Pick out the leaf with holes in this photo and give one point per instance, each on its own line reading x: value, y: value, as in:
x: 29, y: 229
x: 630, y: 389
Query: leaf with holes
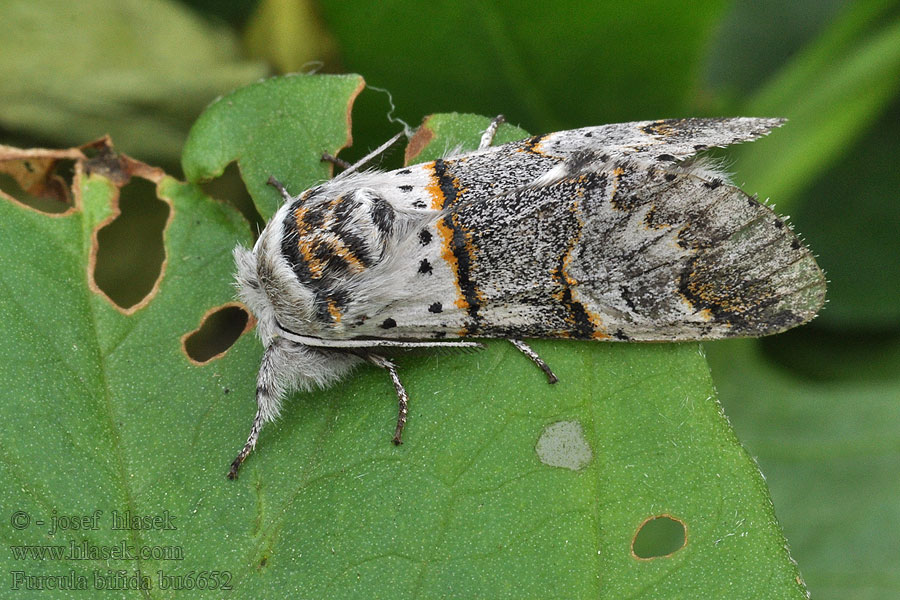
x: 624, y: 479
x: 268, y: 133
x: 102, y: 409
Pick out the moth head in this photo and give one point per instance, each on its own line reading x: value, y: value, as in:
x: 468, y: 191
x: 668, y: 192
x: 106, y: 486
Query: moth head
x: 268, y: 286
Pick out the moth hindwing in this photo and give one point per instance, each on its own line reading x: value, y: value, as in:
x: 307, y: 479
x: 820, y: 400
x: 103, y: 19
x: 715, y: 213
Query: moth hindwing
x: 611, y: 233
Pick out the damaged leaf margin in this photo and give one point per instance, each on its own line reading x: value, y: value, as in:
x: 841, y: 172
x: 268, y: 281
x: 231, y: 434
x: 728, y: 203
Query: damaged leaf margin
x: 269, y: 133
x: 35, y: 171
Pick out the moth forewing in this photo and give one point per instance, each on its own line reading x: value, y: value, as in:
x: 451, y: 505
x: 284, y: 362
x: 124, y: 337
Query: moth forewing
x: 602, y: 233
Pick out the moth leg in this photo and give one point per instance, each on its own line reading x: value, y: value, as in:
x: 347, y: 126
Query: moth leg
x: 248, y: 447
x: 530, y: 353
x: 487, y: 138
x: 280, y: 187
x: 268, y: 394
x: 402, y: 396
x: 339, y: 162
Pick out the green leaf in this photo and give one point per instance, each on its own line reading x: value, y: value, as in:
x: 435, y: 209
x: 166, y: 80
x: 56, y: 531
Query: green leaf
x: 279, y: 127
x: 444, y: 132
x: 140, y: 71
x: 506, y: 486
x: 102, y: 410
x: 830, y: 451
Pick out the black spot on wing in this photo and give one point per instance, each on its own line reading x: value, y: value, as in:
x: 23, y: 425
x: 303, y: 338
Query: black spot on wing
x: 388, y: 323
x: 435, y: 308
x: 425, y: 237
x: 425, y: 267
x: 382, y: 215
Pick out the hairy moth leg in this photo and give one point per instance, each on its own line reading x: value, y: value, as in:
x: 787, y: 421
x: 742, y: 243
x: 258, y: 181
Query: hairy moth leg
x: 402, y: 396
x: 268, y: 394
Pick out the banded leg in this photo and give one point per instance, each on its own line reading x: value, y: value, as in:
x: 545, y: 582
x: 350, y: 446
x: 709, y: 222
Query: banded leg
x: 402, y: 396
x: 338, y: 162
x: 269, y: 390
x: 248, y: 447
x: 536, y: 359
x: 487, y: 138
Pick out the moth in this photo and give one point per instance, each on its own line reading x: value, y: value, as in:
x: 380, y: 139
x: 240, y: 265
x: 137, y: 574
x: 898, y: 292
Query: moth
x: 612, y: 233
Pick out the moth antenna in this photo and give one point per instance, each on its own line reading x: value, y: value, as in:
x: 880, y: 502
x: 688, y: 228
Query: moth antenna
x: 369, y: 157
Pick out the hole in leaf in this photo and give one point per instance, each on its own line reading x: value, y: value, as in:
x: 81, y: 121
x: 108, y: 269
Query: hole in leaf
x: 218, y: 332
x: 230, y: 188
x: 659, y: 536
x: 130, y: 251
x: 48, y: 193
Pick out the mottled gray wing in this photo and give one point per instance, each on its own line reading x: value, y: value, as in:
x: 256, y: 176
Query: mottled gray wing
x: 500, y: 169
x: 631, y: 251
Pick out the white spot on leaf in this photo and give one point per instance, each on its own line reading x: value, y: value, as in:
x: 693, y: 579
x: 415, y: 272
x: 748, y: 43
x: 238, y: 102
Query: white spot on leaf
x: 563, y: 444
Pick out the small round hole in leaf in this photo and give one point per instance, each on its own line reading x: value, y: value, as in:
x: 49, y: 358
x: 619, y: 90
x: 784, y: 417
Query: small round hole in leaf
x: 659, y: 536
x: 217, y: 333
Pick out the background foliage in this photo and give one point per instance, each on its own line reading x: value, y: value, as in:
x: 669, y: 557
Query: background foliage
x: 819, y: 407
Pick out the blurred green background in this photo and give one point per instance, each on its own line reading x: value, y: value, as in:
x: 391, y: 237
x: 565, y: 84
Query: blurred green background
x: 819, y: 406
